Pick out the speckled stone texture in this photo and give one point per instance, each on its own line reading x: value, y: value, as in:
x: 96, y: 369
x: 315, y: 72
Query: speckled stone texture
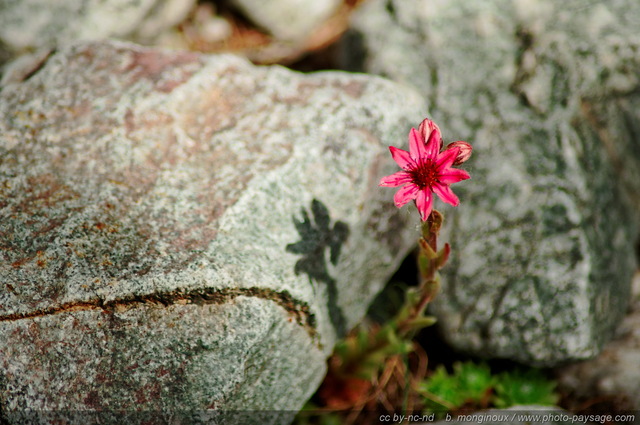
x: 547, y: 93
x: 26, y: 25
x: 614, y: 375
x: 181, y: 232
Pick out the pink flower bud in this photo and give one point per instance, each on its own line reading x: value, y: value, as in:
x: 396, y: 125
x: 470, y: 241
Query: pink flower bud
x: 426, y: 128
x: 464, y: 152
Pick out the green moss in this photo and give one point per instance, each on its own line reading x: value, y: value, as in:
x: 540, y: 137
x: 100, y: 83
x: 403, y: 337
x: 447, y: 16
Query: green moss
x: 472, y: 385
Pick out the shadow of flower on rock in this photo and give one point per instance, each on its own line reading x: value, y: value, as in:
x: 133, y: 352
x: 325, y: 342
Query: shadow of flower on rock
x: 316, y: 236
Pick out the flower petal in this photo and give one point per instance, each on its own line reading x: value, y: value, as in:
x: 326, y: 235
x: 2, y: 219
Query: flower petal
x: 446, y: 158
x: 396, y: 179
x: 405, y: 194
x: 402, y: 158
x: 434, y: 143
x: 424, y: 202
x: 417, y: 146
x: 428, y: 127
x: 446, y: 194
x: 452, y: 175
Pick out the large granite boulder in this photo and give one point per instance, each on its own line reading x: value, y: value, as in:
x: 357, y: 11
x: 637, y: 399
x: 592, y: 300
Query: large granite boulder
x: 547, y: 93
x: 26, y: 25
x: 181, y: 232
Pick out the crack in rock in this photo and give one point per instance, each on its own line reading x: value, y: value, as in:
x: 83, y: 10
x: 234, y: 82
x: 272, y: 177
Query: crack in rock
x: 298, y: 310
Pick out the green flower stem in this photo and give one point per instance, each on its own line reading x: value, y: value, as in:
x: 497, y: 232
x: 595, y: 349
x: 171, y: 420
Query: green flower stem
x: 430, y: 260
x: 363, y: 354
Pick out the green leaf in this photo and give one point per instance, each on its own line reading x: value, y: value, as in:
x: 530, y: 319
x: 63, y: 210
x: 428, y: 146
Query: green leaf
x: 472, y: 383
x: 431, y: 287
x: 469, y: 383
x: 426, y: 251
x: 362, y: 340
x: 524, y: 387
x: 401, y: 347
x: 475, y: 380
x: 424, y: 265
x: 413, y: 295
x: 421, y: 322
x: 443, y: 256
x: 441, y: 390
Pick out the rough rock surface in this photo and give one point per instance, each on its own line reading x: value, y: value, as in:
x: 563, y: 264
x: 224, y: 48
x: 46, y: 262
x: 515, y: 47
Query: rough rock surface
x: 181, y: 231
x: 291, y: 20
x: 613, y: 375
x: 547, y: 93
x: 35, y: 24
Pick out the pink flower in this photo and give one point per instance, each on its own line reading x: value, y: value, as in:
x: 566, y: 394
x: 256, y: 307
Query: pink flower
x: 427, y: 169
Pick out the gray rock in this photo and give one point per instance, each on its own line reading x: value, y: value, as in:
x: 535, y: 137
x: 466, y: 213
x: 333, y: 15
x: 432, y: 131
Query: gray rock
x: 546, y: 92
x: 34, y: 24
x: 181, y: 232
x: 613, y: 375
x: 291, y: 20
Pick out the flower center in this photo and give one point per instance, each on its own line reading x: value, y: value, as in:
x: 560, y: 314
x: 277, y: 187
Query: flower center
x: 425, y: 174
